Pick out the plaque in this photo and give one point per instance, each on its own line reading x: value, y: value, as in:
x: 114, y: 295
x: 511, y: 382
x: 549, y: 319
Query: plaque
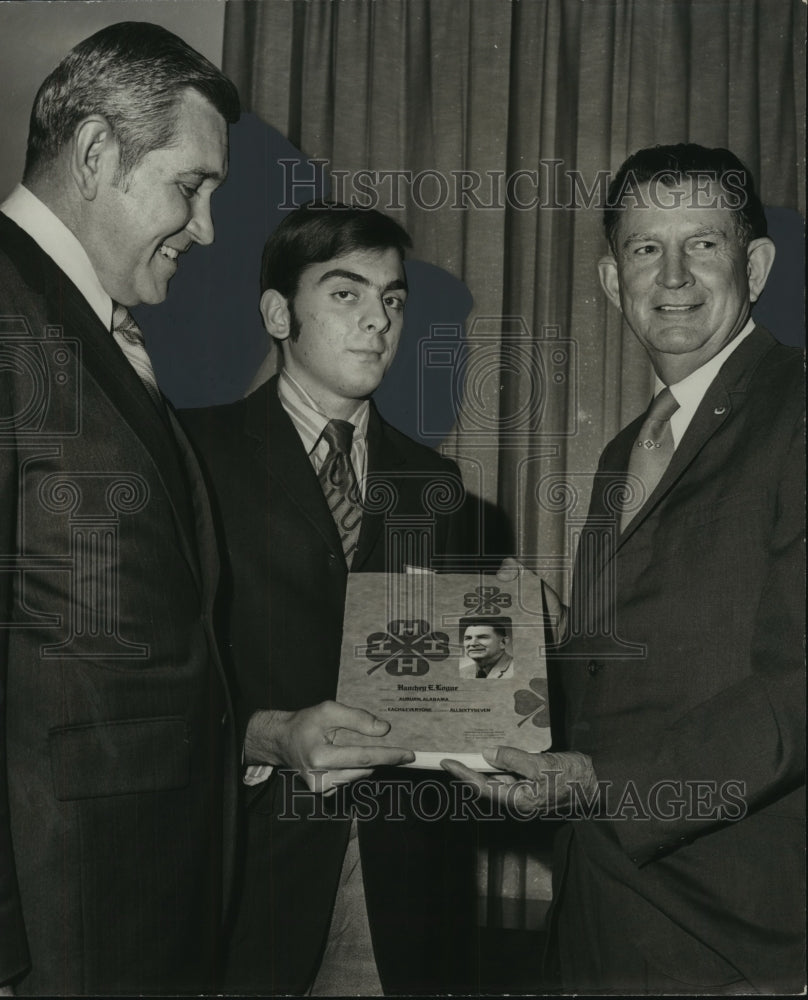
x: 454, y: 662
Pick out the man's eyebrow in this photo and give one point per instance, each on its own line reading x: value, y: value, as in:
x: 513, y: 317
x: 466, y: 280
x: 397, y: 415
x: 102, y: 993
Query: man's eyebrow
x: 202, y: 174
x: 708, y: 231
x: 340, y: 272
x: 640, y: 237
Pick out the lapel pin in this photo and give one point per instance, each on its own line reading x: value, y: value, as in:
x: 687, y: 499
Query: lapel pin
x: 719, y: 410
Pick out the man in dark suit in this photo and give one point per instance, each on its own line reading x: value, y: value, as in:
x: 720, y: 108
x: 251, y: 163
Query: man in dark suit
x: 112, y: 698
x: 333, y: 292
x: 682, y: 668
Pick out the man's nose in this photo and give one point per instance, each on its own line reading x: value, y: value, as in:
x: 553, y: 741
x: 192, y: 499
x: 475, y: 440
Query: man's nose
x: 375, y: 318
x: 674, y: 270
x: 200, y: 226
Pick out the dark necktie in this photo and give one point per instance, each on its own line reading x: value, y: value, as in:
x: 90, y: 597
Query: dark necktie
x: 653, y: 449
x: 129, y: 338
x: 339, y: 485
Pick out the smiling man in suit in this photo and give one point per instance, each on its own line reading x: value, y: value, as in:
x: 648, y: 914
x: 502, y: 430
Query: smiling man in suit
x: 683, y: 669
x: 311, y: 482
x: 112, y: 697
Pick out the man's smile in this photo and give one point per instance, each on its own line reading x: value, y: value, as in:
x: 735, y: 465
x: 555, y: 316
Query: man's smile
x: 170, y: 253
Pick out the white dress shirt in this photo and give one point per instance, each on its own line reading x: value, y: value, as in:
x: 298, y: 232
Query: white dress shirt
x: 310, y: 422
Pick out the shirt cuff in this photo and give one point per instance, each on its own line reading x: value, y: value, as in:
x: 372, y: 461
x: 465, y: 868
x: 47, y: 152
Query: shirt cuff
x: 255, y: 774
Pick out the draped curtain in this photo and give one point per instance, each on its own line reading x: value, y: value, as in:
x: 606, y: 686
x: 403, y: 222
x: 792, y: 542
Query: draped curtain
x: 446, y: 91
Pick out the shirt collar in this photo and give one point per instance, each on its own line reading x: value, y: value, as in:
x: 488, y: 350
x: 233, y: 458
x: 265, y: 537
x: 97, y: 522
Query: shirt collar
x: 690, y: 391
x: 308, y: 418
x: 49, y: 232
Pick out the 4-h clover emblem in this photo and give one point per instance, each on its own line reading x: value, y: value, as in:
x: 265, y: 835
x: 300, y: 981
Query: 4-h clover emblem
x: 486, y: 601
x: 406, y: 648
x: 532, y: 703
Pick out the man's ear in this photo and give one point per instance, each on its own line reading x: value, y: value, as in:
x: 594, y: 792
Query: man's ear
x: 759, y: 259
x: 607, y: 270
x: 275, y: 314
x: 93, y: 153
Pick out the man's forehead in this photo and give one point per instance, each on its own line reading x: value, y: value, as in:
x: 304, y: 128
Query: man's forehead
x: 200, y: 144
x: 381, y: 268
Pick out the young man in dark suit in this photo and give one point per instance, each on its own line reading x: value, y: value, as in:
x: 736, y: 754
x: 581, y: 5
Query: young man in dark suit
x: 683, y: 666
x: 113, y: 707
x: 333, y: 293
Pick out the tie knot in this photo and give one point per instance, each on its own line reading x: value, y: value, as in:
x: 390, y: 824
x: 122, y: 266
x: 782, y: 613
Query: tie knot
x: 123, y: 323
x: 339, y: 435
x: 664, y: 406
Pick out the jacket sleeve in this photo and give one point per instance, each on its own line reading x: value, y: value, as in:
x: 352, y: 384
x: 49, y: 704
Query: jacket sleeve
x: 13, y: 946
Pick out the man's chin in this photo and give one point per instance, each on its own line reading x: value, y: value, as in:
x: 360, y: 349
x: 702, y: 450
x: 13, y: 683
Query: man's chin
x: 365, y: 389
x: 154, y: 296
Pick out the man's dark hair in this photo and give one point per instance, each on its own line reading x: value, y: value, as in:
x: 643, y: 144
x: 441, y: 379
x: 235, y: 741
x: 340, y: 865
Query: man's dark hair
x: 502, y: 626
x: 669, y: 165
x: 319, y: 231
x: 134, y: 75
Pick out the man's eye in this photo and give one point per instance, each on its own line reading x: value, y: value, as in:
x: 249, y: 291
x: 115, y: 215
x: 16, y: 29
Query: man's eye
x: 704, y: 244
x: 646, y: 250
x: 187, y: 191
x: 394, y: 302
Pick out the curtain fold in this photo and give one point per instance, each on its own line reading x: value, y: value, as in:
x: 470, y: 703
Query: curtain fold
x: 499, y: 122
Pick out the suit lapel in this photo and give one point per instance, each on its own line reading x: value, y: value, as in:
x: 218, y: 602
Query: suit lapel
x: 288, y: 465
x: 714, y: 410
x: 205, y: 553
x: 105, y: 363
x: 383, y: 459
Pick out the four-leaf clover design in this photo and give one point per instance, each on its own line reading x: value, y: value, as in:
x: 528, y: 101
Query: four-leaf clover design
x: 406, y: 648
x: 486, y: 601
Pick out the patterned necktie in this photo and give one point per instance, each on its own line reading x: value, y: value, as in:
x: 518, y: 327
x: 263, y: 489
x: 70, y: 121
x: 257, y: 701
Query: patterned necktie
x: 653, y: 449
x: 338, y: 481
x: 129, y: 338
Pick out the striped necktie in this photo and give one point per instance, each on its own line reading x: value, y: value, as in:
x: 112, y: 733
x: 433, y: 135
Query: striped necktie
x: 130, y: 340
x: 653, y: 448
x: 338, y: 481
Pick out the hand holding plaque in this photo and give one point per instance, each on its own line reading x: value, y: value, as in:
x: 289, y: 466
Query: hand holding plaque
x: 304, y: 741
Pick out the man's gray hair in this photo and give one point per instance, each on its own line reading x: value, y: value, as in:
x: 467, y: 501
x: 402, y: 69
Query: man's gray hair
x: 133, y: 74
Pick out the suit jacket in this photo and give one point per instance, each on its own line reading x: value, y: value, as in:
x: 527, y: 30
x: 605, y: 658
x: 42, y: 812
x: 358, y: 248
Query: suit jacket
x: 504, y: 668
x: 685, y: 665
x: 285, y: 626
x: 112, y: 690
